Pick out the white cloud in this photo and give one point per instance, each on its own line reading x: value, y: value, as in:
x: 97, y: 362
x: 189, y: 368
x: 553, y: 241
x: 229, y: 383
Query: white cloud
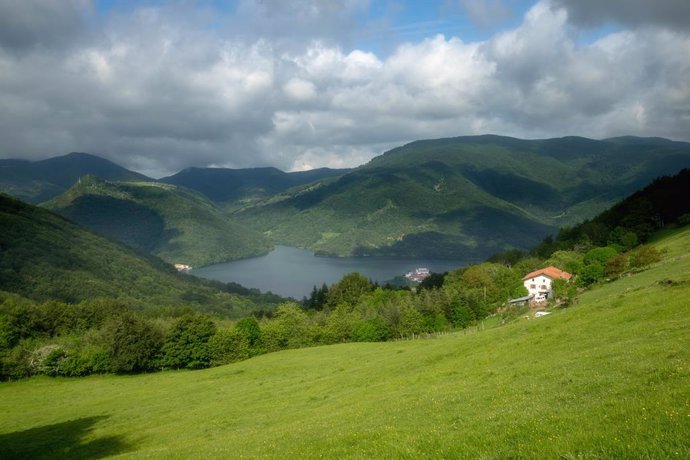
x: 156, y: 93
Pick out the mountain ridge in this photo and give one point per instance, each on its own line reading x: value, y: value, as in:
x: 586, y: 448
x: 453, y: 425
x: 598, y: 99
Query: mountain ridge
x: 226, y: 186
x: 38, y: 181
x: 177, y: 224
x: 468, y: 196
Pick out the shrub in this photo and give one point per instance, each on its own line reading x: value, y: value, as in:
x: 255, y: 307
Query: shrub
x: 616, y: 265
x: 186, y: 344
x: 374, y: 330
x: 591, y: 273
x: 227, y: 346
x: 133, y: 344
x: 644, y: 256
x: 249, y: 328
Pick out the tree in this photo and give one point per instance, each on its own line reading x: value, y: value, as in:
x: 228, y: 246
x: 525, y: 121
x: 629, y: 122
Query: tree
x: 599, y: 255
x: 433, y: 281
x: 411, y: 321
x: 591, y: 273
x: 339, y: 325
x: 292, y: 327
x: 348, y: 291
x: 496, y: 282
x: 570, y: 261
x: 186, y: 344
x: 373, y: 330
x: 249, y: 328
x: 623, y: 238
x: 133, y: 344
x: 563, y: 291
x: 227, y: 346
x: 616, y: 265
x: 317, y: 298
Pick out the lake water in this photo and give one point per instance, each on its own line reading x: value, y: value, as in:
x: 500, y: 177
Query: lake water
x: 293, y: 272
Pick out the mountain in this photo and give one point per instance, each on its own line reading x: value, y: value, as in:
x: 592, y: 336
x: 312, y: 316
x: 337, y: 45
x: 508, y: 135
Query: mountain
x: 464, y: 197
x: 242, y: 186
x: 39, y: 181
x: 46, y: 257
x: 174, y: 223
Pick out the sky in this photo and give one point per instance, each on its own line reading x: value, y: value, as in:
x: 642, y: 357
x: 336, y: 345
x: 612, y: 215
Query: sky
x: 158, y: 86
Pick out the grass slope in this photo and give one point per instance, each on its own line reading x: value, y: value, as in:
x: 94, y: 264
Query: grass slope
x: 39, y: 181
x: 45, y: 257
x: 608, y: 378
x: 174, y: 223
x: 465, y: 197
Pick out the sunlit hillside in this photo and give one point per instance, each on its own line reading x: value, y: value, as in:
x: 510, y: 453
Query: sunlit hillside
x: 606, y: 378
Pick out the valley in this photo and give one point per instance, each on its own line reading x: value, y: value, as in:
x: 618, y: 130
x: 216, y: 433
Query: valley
x: 345, y: 229
x: 606, y: 378
x: 452, y: 367
x: 174, y: 223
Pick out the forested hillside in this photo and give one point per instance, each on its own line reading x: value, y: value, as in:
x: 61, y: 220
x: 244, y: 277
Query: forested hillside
x: 664, y: 202
x: 45, y: 257
x: 42, y: 180
x: 174, y: 223
x: 465, y: 197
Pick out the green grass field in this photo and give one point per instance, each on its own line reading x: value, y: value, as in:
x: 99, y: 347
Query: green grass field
x: 607, y: 378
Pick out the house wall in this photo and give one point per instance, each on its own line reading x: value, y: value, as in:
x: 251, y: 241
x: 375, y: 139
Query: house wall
x: 538, y: 285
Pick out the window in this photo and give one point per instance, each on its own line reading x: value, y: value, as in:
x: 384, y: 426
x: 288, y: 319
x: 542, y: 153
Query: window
x: 532, y: 286
x: 543, y: 286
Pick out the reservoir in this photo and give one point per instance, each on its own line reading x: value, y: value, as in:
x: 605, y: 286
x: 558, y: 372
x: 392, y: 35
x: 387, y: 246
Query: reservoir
x: 293, y: 272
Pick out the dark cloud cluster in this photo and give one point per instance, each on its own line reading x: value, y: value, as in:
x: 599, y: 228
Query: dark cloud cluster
x: 674, y: 14
x: 162, y: 88
x: 39, y: 23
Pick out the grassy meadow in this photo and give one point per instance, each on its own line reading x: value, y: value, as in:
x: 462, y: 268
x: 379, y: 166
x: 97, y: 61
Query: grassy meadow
x: 606, y: 378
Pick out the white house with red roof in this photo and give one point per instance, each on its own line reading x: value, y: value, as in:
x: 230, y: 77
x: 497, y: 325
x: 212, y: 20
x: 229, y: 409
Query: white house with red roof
x: 538, y: 283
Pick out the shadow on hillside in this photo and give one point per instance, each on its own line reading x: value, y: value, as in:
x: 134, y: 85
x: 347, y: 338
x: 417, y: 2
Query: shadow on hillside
x: 61, y: 441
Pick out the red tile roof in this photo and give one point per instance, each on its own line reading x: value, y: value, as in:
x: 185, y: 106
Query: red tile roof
x: 552, y: 272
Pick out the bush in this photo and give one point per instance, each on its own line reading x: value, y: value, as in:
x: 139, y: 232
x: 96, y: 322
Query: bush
x: 374, y: 330
x: 186, y: 344
x: 599, y: 256
x: 228, y: 346
x: 249, y: 328
x: 133, y: 344
x: 644, y: 256
x: 591, y: 273
x: 616, y: 265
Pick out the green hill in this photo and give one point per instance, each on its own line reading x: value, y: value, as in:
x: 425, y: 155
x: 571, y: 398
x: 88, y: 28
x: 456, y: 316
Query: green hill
x: 236, y: 188
x: 174, y: 223
x: 39, y: 181
x: 607, y: 378
x: 464, y: 197
x: 45, y: 257
x: 664, y: 202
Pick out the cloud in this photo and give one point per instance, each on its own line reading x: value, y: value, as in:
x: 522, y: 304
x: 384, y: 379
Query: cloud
x: 49, y: 23
x: 157, y: 90
x: 662, y: 13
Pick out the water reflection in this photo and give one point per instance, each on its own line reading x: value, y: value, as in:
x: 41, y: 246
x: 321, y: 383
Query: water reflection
x: 294, y: 272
